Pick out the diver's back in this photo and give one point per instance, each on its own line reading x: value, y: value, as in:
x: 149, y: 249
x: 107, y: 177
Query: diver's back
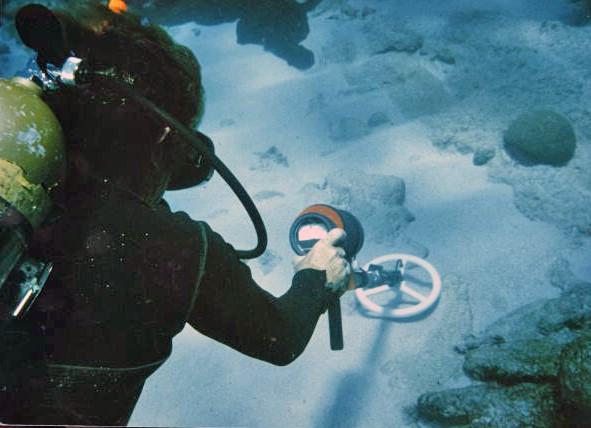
x: 123, y: 282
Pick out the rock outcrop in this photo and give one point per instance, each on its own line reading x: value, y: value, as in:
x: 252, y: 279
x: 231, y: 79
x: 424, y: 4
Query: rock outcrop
x: 535, y: 364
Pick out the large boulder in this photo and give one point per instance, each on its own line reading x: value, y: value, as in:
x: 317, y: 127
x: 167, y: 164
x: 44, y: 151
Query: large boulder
x: 377, y: 200
x: 492, y: 406
x: 527, y: 356
x: 567, y: 315
x: 570, y: 311
x: 413, y: 90
x: 520, y: 361
x: 541, y: 137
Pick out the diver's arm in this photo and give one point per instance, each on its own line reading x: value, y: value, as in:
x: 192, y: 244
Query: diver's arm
x: 231, y: 308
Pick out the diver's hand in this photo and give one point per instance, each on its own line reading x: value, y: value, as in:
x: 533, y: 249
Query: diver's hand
x: 326, y: 255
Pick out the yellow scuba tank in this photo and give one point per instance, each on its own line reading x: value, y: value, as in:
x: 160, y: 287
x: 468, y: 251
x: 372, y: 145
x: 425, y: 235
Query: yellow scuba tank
x: 32, y: 162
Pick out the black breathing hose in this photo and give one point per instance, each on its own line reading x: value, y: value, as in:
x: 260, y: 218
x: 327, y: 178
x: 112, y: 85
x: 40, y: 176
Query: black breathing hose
x: 218, y: 165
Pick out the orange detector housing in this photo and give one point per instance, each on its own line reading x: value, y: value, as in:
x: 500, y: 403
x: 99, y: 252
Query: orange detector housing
x: 314, y: 222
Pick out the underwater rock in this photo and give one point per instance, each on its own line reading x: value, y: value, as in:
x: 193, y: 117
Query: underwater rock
x: 269, y: 158
x: 340, y: 49
x: 452, y: 142
x: 527, y: 356
x: 349, y: 11
x: 561, y: 276
x: 342, y: 10
x: 570, y: 311
x: 540, y: 137
x: 503, y: 330
x: 383, y: 39
x: 346, y: 11
x: 482, y: 156
x: 347, y: 129
x: 377, y: 119
x: 490, y: 406
x: 377, y: 200
x: 418, y: 93
x: 472, y: 341
x: 445, y: 56
x: 520, y: 361
x: 559, y: 196
x: 575, y: 374
x: 413, y: 90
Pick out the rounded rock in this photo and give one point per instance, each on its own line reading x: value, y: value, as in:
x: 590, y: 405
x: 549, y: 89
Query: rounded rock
x: 482, y: 156
x: 540, y: 137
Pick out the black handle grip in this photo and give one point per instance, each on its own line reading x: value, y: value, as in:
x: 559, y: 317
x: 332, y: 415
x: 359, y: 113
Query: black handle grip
x: 335, y: 324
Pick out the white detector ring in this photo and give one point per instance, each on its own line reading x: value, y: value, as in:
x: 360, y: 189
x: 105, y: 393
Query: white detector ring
x: 424, y: 301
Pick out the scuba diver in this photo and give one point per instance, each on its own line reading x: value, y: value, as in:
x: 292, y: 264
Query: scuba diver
x: 128, y: 273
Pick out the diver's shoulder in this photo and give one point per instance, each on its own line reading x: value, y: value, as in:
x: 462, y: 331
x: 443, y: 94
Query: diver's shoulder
x: 179, y: 217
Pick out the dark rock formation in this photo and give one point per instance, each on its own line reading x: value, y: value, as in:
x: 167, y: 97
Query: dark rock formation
x: 492, y: 406
x: 537, y: 361
x: 520, y: 361
x: 541, y: 137
x: 482, y: 156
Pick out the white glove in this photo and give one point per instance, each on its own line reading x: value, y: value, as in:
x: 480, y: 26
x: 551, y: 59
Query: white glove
x: 327, y: 256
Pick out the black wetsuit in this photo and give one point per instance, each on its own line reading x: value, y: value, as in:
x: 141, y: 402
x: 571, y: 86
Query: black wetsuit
x: 127, y: 278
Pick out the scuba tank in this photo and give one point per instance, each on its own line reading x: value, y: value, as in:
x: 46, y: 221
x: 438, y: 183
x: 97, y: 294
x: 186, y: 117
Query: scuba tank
x: 32, y: 163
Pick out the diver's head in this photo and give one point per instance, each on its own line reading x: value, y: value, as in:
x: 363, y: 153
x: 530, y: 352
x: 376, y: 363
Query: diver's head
x: 114, y: 137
